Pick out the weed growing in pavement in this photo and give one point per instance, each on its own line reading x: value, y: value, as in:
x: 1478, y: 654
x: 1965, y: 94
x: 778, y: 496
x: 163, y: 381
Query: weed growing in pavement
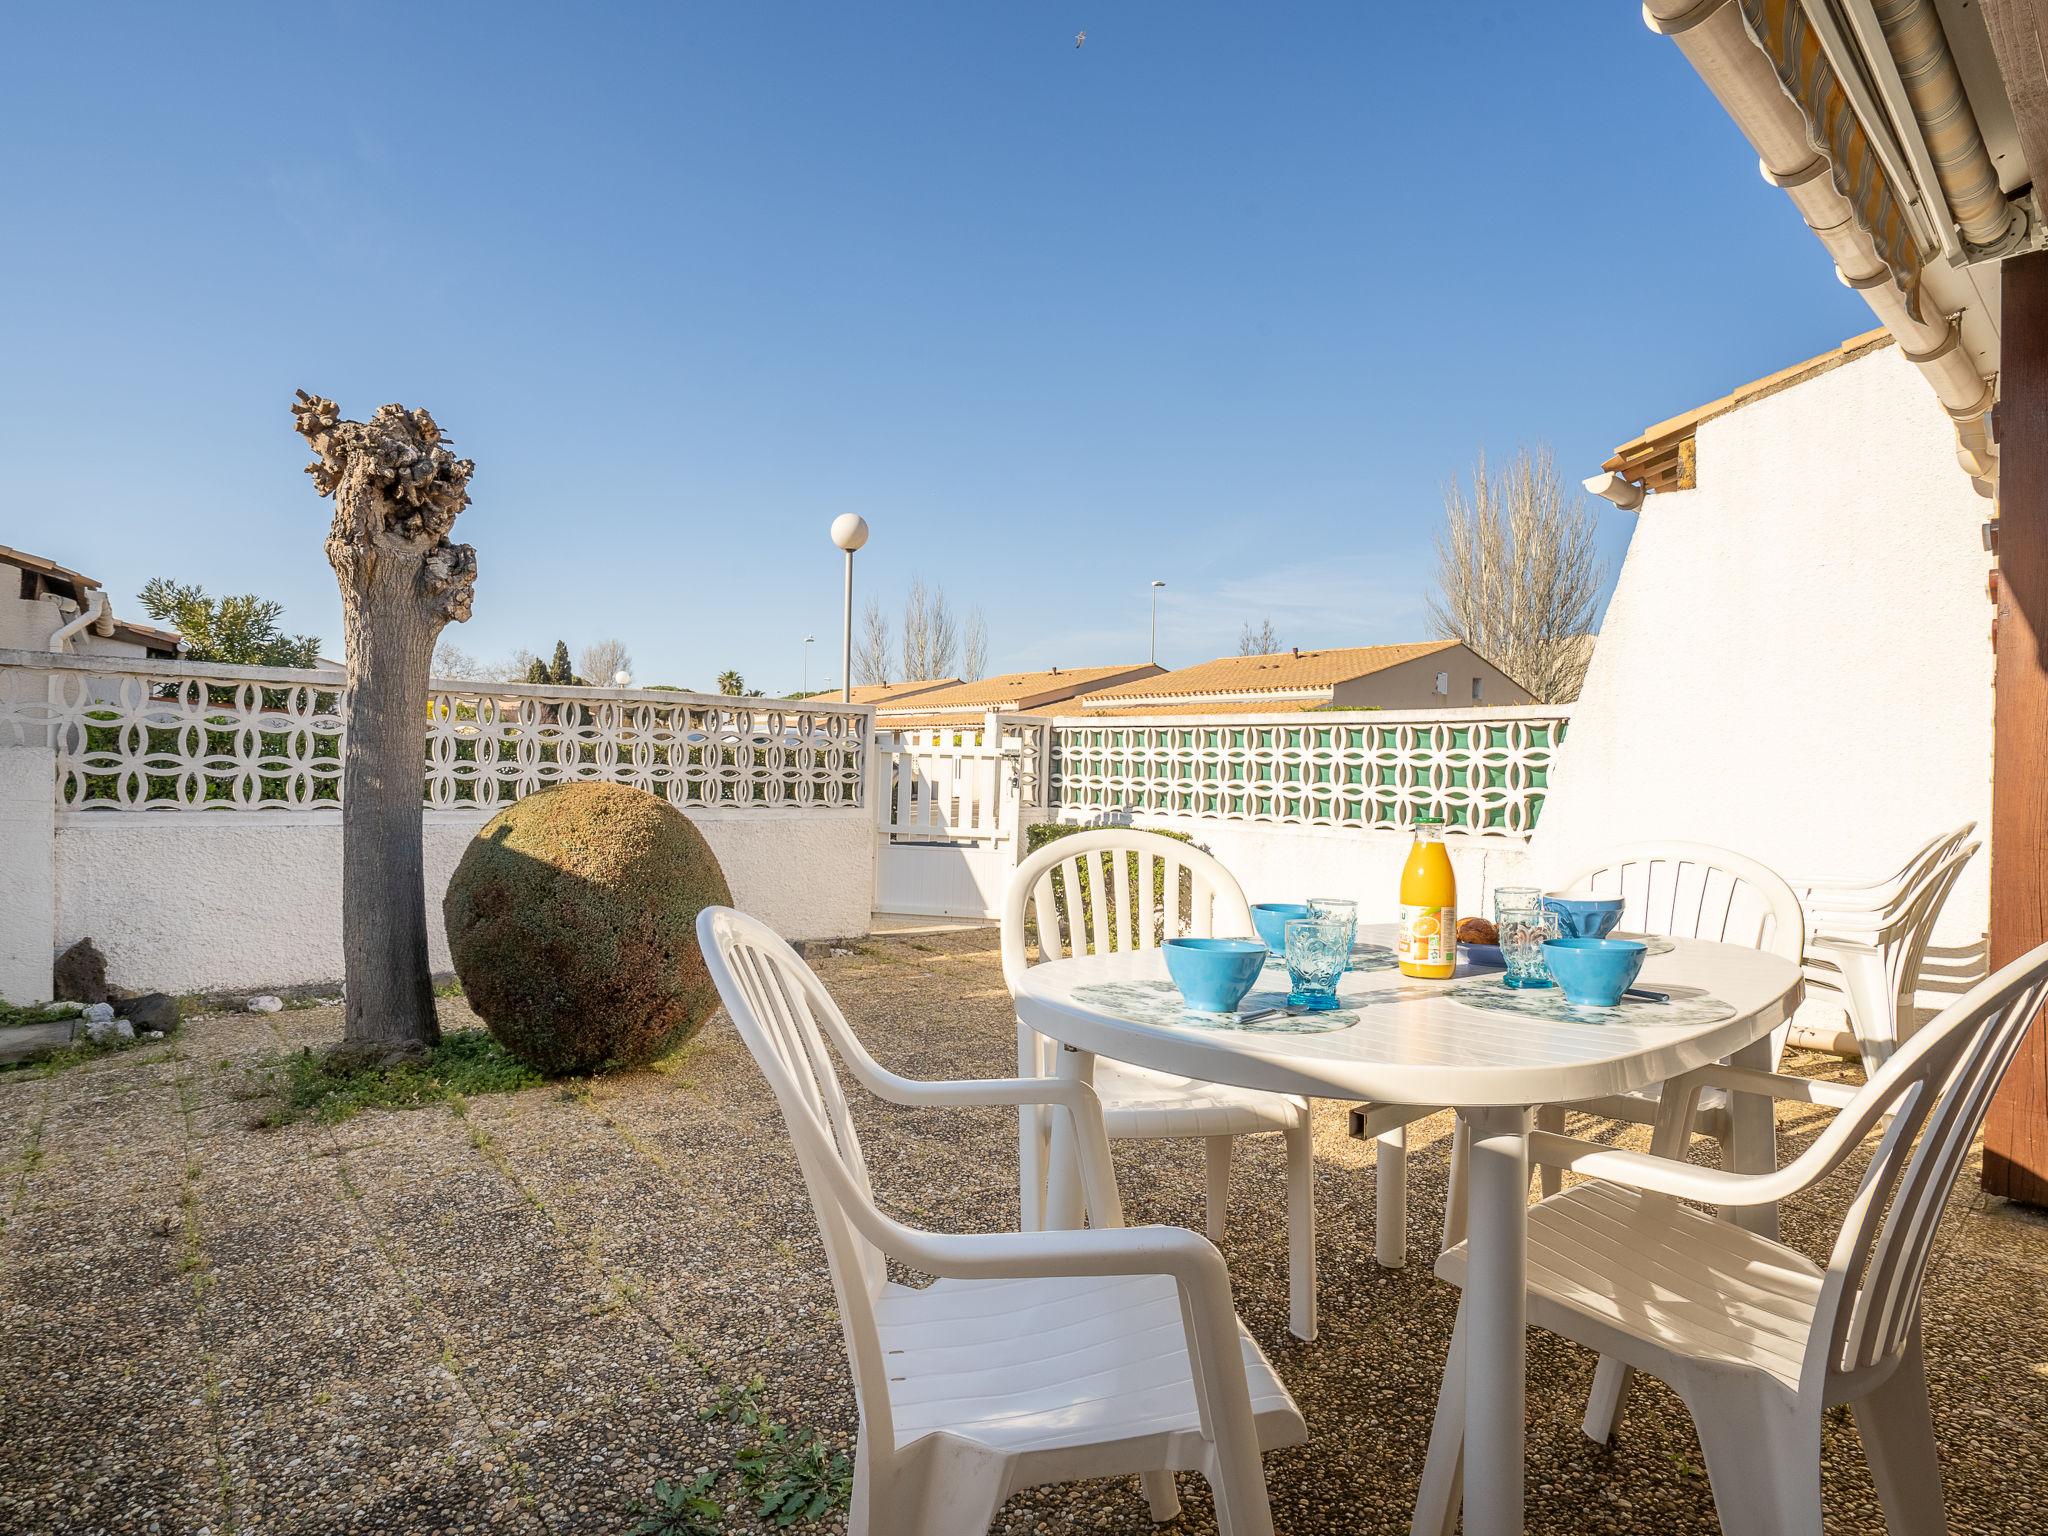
x: 793, y: 1475
x: 679, y: 1509
x: 466, y: 1062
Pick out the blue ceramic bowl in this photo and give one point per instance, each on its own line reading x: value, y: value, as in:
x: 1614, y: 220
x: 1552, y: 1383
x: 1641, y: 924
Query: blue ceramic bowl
x: 1595, y: 971
x: 1271, y: 919
x: 1585, y: 917
x: 1214, y: 974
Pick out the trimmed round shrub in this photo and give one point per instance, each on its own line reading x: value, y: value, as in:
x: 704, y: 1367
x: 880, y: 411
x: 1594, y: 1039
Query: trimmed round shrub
x: 572, y: 919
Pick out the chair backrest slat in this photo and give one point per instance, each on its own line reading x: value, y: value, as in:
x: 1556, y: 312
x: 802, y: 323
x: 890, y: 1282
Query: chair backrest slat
x: 1937, y: 1089
x: 1118, y: 889
x: 1696, y: 891
x: 1906, y: 933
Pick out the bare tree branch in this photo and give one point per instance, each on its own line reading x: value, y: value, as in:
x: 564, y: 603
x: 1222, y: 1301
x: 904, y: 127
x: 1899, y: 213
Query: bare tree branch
x: 600, y: 662
x: 931, y: 635
x: 974, y: 648
x: 1518, y: 576
x: 871, y: 646
x: 1257, y: 642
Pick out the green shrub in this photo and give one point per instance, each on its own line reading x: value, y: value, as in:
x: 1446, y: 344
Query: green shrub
x: 1039, y: 834
x: 572, y: 921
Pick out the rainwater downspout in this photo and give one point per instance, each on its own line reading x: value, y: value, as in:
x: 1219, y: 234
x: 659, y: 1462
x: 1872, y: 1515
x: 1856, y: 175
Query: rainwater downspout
x: 95, y: 605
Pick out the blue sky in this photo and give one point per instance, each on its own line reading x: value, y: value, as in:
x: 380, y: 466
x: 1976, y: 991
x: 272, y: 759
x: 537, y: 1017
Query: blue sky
x: 1220, y: 298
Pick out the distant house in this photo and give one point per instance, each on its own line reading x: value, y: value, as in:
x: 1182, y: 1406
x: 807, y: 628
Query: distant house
x: 1430, y: 674
x: 881, y: 695
x: 1012, y: 693
x: 40, y: 598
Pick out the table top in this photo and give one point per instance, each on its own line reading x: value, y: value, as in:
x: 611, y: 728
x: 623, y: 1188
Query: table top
x: 1466, y: 1041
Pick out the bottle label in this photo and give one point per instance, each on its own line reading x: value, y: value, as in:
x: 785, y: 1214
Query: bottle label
x: 1427, y: 934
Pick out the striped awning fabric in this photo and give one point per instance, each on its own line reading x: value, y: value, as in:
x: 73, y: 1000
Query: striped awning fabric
x: 1780, y: 29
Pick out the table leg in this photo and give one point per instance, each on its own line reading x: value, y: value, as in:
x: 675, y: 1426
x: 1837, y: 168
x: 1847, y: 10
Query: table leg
x: 1495, y: 1313
x: 1753, y: 1137
x: 1063, y: 1203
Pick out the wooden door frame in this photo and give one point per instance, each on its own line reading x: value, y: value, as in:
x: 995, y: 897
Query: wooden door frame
x: 2016, y: 1131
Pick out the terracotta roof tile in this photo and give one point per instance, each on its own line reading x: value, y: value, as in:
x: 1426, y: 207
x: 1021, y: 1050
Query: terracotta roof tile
x: 1266, y: 674
x: 883, y: 693
x: 1023, y: 690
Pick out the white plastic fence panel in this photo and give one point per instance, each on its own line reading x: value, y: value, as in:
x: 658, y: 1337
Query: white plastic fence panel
x: 947, y: 822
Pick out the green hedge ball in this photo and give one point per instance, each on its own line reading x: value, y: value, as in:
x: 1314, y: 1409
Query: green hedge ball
x: 572, y: 919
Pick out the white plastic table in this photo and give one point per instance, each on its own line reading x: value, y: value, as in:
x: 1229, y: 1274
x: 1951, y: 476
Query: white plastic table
x: 1421, y: 1045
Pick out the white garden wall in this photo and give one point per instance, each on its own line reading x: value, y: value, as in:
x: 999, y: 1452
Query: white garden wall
x: 230, y: 900
x: 1795, y: 663
x: 186, y: 816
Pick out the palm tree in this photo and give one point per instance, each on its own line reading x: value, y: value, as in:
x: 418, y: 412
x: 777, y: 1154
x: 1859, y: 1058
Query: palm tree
x: 731, y: 684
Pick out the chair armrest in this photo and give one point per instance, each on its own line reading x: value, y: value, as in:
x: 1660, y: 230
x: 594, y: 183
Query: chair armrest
x: 1874, y: 923
x: 980, y: 1092
x: 1779, y: 1085
x: 1833, y: 949
x: 1663, y: 1175
x: 1155, y: 1250
x: 1845, y: 887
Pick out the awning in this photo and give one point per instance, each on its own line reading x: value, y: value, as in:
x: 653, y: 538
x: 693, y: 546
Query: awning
x: 1781, y: 30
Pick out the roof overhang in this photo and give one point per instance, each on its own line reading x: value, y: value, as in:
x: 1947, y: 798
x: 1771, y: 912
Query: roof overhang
x: 1909, y: 134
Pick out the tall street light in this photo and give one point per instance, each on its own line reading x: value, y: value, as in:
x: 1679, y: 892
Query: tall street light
x: 1155, y: 621
x: 808, y: 639
x: 849, y: 532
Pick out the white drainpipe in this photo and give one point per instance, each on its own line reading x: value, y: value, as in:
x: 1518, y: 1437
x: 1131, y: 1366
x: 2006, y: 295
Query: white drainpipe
x: 1711, y: 35
x: 95, y: 605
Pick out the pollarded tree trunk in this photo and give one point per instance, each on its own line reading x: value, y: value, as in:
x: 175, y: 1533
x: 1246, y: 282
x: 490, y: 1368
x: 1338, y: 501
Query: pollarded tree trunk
x: 397, y: 491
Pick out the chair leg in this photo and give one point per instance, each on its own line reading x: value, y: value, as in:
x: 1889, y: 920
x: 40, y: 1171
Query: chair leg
x: 1301, y: 1231
x: 1031, y: 1168
x: 1443, y: 1470
x: 1161, y: 1497
x: 1390, y: 1199
x: 1454, y: 1200
x: 927, y: 1493
x: 1611, y: 1381
x: 1762, y: 1450
x: 1873, y: 1009
x: 1034, y: 1140
x: 1219, y: 1186
x: 1550, y: 1177
x: 1897, y: 1426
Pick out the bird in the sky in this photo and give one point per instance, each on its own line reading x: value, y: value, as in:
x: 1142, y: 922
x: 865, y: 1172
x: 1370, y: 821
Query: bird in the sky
x: 1080, y: 38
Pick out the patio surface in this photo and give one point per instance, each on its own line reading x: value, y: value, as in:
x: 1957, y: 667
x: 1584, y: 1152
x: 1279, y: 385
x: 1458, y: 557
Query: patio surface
x: 510, y: 1318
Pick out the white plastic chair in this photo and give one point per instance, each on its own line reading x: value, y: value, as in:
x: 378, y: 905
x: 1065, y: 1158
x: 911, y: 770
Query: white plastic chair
x: 1035, y: 1357
x: 1850, y: 894
x: 1681, y: 891
x: 1141, y: 875
x: 1871, y: 955
x: 1758, y: 1340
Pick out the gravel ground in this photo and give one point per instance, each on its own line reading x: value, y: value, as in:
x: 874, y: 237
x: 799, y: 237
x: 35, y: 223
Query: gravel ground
x: 508, y: 1316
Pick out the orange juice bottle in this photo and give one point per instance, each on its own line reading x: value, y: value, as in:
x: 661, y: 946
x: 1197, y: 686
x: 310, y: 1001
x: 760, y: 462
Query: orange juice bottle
x: 1428, y: 943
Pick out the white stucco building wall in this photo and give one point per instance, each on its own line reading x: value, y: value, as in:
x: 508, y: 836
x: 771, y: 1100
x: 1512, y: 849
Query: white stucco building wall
x: 1795, y: 662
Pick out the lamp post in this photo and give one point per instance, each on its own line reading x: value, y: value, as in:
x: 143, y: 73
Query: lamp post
x: 849, y: 532
x: 1155, y: 621
x: 807, y: 663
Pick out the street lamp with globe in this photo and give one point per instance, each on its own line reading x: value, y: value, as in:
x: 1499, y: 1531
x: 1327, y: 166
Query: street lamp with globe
x: 849, y: 532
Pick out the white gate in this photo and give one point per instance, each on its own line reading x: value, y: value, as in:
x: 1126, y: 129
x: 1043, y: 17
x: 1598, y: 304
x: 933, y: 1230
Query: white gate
x: 951, y: 804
